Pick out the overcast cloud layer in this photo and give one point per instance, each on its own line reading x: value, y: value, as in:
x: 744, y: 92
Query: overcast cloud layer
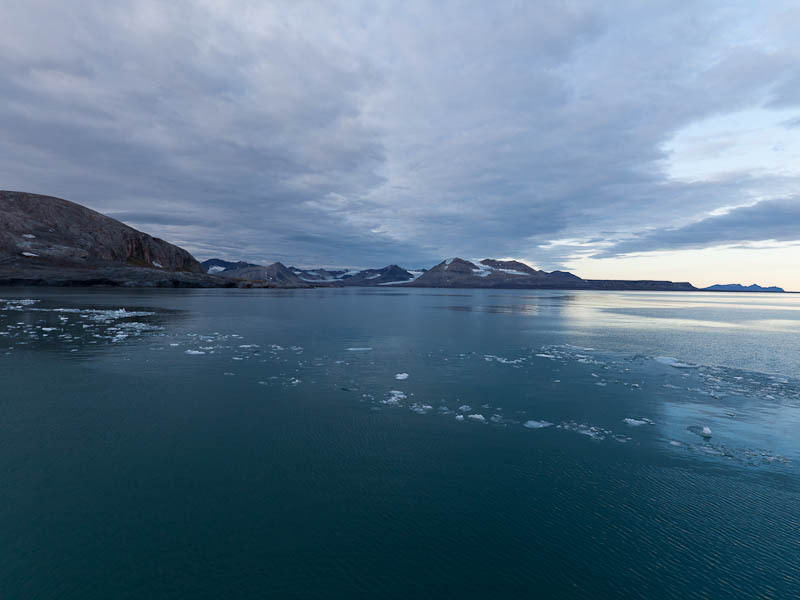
x: 362, y: 134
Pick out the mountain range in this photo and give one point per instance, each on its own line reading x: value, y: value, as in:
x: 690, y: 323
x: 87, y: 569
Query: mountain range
x: 450, y: 273
x: 50, y: 241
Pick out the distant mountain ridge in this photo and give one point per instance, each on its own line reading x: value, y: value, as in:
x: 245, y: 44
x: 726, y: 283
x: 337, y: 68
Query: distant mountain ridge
x: 738, y: 287
x: 276, y: 273
x: 217, y: 265
x: 450, y: 273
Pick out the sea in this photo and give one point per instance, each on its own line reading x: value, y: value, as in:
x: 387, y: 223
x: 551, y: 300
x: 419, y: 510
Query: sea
x: 398, y: 443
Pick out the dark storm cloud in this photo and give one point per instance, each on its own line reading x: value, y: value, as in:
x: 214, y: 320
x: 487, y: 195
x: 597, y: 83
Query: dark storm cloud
x: 770, y: 220
x: 366, y: 133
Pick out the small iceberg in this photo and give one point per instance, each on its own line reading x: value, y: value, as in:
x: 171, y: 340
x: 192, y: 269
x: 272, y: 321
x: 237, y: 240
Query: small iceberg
x: 537, y: 424
x: 674, y: 362
x: 637, y: 422
x: 704, y: 431
x: 401, y: 376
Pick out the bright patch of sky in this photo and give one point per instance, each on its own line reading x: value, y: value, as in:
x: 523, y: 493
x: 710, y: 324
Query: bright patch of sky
x: 756, y: 141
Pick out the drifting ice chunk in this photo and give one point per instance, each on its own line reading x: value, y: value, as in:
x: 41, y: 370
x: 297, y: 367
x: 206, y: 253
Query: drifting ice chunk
x: 674, y: 362
x: 537, y: 424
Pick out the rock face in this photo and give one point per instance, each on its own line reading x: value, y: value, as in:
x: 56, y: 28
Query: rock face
x: 57, y: 231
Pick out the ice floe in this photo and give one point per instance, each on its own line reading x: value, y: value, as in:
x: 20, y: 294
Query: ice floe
x: 531, y: 424
x: 637, y: 422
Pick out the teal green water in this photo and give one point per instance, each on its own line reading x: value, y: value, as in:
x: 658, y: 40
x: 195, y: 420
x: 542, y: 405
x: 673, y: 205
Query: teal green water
x: 371, y: 443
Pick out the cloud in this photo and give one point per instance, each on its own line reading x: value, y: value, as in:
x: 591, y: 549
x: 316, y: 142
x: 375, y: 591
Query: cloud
x: 770, y: 220
x: 360, y: 133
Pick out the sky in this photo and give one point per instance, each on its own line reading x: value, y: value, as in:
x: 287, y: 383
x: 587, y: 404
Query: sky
x: 623, y: 140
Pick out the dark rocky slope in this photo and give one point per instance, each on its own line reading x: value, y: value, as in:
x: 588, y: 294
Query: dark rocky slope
x: 59, y: 231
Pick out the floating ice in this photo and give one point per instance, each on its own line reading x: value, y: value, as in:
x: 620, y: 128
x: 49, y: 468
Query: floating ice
x: 476, y: 417
x: 357, y: 349
x: 465, y: 408
x: 401, y: 376
x: 537, y: 424
x: 194, y: 352
x: 459, y: 417
x: 636, y: 422
x: 704, y: 431
x: 674, y: 362
x: 592, y: 431
x: 395, y: 396
x: 500, y: 359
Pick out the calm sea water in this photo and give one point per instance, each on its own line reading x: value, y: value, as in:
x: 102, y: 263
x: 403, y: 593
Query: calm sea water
x: 387, y: 443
